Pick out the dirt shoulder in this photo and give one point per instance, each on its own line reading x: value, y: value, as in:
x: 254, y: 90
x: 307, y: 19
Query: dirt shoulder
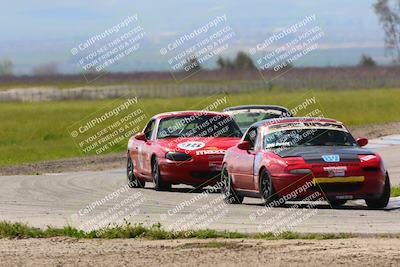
x: 96, y: 163
x: 118, y: 160
x: 192, y: 252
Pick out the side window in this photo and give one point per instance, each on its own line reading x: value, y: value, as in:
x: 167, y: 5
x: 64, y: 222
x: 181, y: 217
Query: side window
x: 149, y: 129
x: 251, y: 136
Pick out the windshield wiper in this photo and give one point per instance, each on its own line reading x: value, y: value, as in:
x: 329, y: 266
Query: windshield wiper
x: 278, y: 146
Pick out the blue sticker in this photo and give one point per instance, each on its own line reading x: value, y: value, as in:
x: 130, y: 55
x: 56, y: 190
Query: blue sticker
x: 331, y: 158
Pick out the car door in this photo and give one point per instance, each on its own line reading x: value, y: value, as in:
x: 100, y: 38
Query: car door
x: 245, y: 163
x: 145, y: 148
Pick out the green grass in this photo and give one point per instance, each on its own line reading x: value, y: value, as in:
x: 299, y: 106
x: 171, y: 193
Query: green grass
x: 155, y: 232
x: 33, y: 132
x: 395, y: 191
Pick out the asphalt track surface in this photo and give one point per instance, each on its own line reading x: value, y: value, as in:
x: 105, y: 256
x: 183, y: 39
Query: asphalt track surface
x: 66, y: 198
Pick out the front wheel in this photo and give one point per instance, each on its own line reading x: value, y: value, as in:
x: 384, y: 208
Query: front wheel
x: 230, y: 195
x: 383, y: 200
x: 159, y: 184
x: 133, y: 181
x: 267, y: 189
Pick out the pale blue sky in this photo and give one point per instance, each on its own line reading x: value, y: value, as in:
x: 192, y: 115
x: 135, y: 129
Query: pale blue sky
x: 35, y: 32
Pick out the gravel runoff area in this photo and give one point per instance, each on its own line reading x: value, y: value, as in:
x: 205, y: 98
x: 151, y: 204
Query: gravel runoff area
x: 118, y: 160
x: 193, y: 252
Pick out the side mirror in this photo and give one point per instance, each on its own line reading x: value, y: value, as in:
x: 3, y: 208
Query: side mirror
x: 362, y: 141
x: 245, y: 145
x: 140, y: 136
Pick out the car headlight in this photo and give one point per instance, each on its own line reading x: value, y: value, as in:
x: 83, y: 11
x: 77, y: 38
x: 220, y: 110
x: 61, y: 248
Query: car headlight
x: 178, y: 156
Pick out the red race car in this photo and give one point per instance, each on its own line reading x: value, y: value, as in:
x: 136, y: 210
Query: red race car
x: 295, y: 158
x: 181, y: 148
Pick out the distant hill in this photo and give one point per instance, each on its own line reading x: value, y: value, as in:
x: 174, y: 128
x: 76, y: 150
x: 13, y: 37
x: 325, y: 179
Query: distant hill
x: 46, y: 32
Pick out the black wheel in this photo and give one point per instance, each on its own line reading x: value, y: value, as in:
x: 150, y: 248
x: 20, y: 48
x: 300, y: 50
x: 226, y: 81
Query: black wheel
x: 133, y: 182
x: 266, y: 188
x: 230, y: 195
x: 383, y: 200
x: 337, y: 202
x: 159, y: 184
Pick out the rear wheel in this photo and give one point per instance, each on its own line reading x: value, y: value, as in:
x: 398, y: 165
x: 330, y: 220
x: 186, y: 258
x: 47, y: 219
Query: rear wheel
x: 230, y: 195
x: 383, y: 200
x: 159, y: 184
x: 133, y: 181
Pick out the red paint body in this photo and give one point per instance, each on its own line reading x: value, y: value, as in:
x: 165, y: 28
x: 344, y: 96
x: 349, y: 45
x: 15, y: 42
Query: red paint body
x: 199, y: 170
x: 245, y: 166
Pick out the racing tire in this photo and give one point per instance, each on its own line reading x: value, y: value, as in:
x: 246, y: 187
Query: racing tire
x: 230, y: 195
x: 159, y: 184
x: 267, y: 190
x: 335, y: 203
x: 133, y: 181
x: 383, y: 200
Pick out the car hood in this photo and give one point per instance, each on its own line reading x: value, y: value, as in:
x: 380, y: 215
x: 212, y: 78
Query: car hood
x: 316, y: 154
x: 197, y: 145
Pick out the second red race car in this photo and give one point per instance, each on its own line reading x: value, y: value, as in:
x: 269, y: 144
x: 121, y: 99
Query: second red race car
x: 181, y: 148
x: 246, y: 115
x: 295, y: 158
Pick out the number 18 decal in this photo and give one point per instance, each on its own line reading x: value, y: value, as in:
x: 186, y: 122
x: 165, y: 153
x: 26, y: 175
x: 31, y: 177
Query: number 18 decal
x: 191, y: 145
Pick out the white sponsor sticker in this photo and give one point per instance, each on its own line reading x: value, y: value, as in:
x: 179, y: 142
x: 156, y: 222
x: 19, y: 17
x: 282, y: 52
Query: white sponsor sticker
x: 210, y: 152
x: 191, y: 145
x: 367, y: 158
x: 336, y: 171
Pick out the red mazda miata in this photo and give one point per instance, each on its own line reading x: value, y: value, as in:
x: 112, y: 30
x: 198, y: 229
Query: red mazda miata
x: 181, y: 148
x: 295, y: 158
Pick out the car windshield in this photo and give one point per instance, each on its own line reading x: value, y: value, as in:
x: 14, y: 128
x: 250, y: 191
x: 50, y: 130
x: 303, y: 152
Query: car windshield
x: 308, y: 137
x: 198, y: 126
x: 246, y: 118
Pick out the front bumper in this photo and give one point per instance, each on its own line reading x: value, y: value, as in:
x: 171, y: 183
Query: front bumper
x: 365, y: 186
x: 193, y: 172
